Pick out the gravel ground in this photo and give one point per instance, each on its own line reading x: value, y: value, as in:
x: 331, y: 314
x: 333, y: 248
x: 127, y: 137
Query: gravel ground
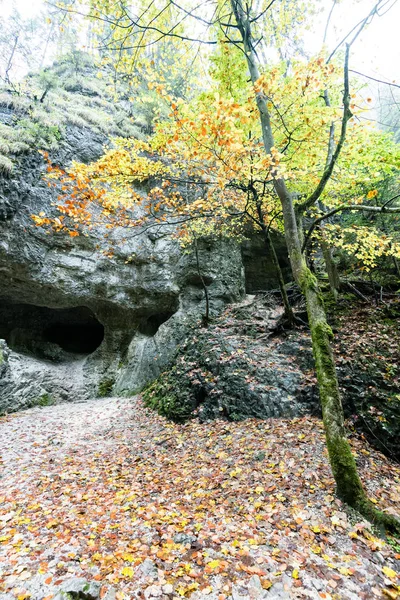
x: 105, y: 499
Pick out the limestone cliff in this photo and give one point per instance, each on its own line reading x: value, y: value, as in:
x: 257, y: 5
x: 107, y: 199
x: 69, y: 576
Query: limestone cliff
x: 76, y: 322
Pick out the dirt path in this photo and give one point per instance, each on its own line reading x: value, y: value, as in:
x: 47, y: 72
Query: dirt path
x: 106, y: 500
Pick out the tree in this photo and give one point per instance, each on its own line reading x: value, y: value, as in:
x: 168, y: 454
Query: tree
x: 28, y: 44
x: 240, y: 157
x: 389, y: 111
x: 349, y: 487
x: 19, y: 45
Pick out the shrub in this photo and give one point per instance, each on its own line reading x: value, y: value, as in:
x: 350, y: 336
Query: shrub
x: 6, y: 166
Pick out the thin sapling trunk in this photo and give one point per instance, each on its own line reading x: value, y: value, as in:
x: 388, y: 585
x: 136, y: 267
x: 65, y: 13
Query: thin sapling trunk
x: 206, y: 316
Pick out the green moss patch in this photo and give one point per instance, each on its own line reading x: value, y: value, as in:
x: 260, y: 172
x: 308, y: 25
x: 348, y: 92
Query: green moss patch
x: 105, y: 387
x: 43, y: 400
x: 171, y: 396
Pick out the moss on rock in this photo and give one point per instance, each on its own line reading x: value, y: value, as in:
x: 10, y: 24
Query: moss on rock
x: 42, y: 400
x: 170, y: 397
x: 105, y: 387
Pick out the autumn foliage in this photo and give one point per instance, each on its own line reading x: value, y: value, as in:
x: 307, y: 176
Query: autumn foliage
x: 206, y: 169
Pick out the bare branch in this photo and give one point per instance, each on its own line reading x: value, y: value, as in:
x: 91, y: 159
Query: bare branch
x: 328, y: 21
x: 358, y: 27
x: 389, y: 201
x: 140, y: 26
x: 349, y: 207
x: 254, y: 19
x: 347, y: 114
x: 375, y: 79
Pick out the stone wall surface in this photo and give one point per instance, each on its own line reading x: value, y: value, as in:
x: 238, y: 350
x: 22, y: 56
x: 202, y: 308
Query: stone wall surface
x: 142, y: 296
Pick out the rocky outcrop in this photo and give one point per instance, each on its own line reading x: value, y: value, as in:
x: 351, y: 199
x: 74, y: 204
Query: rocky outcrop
x: 76, y: 322
x: 258, y: 264
x: 238, y: 367
x: 367, y: 352
x: 158, y: 335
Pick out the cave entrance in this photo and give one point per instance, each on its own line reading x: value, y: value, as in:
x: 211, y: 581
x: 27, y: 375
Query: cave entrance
x: 151, y: 325
x: 259, y: 270
x: 78, y: 339
x: 50, y: 333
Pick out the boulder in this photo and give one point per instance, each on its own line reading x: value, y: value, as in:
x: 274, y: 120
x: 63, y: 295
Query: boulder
x: 238, y: 368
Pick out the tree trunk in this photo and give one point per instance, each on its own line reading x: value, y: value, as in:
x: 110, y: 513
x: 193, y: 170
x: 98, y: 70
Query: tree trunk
x: 282, y: 288
x: 348, y: 484
x: 349, y: 487
x: 333, y: 275
x: 396, y: 264
x: 331, y: 269
x: 270, y: 246
x: 206, y: 316
x: 10, y: 59
x: 43, y: 96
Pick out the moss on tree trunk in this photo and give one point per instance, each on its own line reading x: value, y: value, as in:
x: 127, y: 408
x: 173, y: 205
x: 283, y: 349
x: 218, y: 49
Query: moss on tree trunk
x: 348, y: 484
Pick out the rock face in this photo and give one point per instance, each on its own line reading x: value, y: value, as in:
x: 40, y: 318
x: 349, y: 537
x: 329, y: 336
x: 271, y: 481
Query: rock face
x: 259, y: 268
x: 158, y: 335
x: 76, y: 323
x: 367, y: 351
x: 239, y: 368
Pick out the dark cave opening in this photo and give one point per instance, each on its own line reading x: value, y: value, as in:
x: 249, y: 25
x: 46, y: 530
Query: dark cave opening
x: 50, y: 333
x: 77, y: 339
x: 259, y: 270
x: 151, y: 325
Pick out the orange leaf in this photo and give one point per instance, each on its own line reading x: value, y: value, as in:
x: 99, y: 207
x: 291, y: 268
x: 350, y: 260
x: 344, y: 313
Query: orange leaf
x: 252, y: 570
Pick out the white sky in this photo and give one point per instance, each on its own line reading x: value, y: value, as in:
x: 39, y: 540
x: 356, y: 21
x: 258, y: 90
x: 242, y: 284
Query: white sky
x: 376, y: 52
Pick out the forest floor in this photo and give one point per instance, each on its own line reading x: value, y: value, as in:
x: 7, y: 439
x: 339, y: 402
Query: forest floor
x: 105, y: 499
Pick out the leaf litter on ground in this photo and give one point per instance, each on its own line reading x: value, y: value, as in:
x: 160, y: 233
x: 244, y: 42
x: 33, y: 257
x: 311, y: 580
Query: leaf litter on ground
x: 111, y: 492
